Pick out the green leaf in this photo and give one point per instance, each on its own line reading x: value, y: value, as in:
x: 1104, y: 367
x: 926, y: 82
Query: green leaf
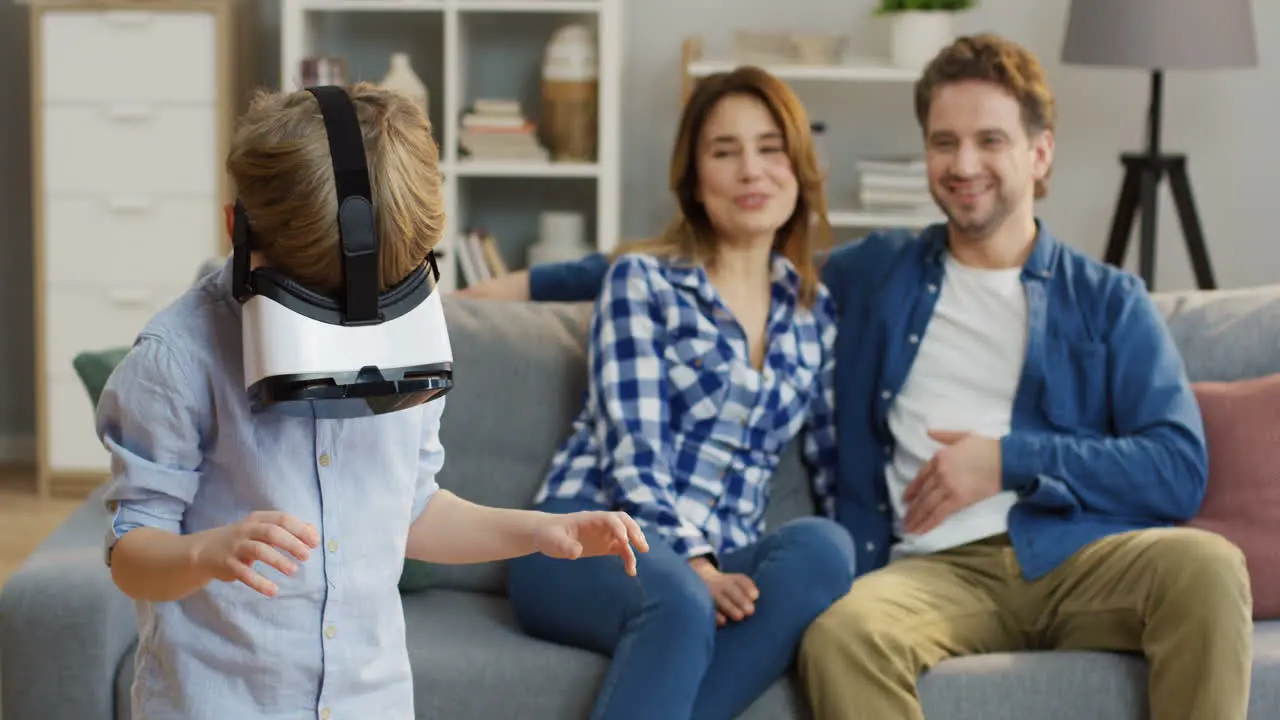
x: 892, y: 6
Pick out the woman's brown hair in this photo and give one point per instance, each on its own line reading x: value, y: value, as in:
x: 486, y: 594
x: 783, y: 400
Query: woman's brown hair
x: 690, y: 235
x: 283, y: 173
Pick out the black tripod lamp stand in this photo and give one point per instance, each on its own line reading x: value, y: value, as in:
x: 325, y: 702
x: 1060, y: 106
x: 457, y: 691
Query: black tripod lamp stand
x: 1159, y: 35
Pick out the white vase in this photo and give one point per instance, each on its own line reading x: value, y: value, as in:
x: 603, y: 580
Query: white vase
x: 917, y: 36
x: 561, y: 238
x: 401, y: 78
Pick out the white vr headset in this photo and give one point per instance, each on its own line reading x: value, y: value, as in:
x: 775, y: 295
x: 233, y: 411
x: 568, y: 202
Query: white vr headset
x: 359, y: 353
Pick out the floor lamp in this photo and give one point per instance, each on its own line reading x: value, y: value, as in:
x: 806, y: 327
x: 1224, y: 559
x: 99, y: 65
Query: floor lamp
x: 1159, y: 35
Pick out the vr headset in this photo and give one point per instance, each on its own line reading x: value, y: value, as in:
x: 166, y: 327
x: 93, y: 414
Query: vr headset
x: 357, y: 354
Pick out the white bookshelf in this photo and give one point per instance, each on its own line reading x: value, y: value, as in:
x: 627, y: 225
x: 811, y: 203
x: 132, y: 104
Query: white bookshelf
x: 469, y: 49
x: 872, y: 219
x: 873, y: 70
x: 854, y: 70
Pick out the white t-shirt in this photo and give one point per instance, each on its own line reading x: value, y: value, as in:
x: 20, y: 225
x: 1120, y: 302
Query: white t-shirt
x: 964, y: 378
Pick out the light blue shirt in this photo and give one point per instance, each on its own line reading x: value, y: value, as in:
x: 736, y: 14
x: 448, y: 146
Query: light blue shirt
x: 188, y: 455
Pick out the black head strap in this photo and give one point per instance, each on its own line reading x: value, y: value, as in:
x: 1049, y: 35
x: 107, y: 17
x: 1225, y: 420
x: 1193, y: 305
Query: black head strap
x: 355, y: 205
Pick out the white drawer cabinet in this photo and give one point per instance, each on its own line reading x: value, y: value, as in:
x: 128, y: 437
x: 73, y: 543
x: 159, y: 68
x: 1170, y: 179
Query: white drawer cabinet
x: 93, y: 55
x: 133, y: 102
x: 110, y: 147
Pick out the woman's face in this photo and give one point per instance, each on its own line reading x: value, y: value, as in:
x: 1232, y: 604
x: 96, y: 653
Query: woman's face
x: 745, y: 177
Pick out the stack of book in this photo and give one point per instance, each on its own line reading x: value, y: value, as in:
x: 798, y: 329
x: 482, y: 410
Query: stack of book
x: 478, y: 257
x: 894, y: 183
x: 498, y: 130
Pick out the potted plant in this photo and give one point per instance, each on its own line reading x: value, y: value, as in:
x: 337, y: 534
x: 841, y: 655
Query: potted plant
x: 920, y: 28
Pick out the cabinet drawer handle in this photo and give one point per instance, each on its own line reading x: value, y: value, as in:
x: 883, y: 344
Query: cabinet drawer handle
x: 129, y: 296
x: 129, y: 205
x: 130, y: 113
x: 127, y: 18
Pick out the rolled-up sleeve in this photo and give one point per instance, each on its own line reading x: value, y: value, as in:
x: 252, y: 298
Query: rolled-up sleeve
x: 150, y: 419
x: 430, y: 457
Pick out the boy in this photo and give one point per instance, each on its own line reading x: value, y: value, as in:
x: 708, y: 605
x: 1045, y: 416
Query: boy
x: 303, y: 523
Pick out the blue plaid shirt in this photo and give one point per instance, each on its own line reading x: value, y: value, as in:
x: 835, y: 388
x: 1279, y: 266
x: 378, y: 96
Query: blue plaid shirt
x: 679, y: 429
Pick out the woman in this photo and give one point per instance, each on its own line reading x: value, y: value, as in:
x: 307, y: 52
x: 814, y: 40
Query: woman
x: 710, y: 349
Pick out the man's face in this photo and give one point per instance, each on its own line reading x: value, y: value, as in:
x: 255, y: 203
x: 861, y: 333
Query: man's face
x: 982, y: 164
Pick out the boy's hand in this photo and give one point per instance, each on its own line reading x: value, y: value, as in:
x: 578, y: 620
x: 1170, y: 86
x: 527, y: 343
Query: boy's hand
x: 590, y: 534
x: 229, y: 552
x: 733, y: 593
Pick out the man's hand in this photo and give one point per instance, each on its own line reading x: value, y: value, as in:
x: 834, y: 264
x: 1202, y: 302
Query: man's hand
x: 965, y: 471
x: 228, y: 553
x: 734, y: 594
x: 590, y: 534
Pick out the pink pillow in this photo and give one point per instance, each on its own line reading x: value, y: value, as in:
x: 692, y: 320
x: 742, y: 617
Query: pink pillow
x: 1242, y: 502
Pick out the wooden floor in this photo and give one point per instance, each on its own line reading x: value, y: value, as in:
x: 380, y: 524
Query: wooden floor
x: 25, y: 518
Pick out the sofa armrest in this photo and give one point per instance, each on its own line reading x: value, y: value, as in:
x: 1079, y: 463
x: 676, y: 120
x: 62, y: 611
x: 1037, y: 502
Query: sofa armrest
x: 64, y: 627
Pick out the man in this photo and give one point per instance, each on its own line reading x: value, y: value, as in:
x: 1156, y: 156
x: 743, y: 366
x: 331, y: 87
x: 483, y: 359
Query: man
x: 1030, y: 441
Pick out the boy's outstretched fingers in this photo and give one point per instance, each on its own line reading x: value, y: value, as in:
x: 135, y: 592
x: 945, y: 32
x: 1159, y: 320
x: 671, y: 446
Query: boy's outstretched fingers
x: 635, y: 533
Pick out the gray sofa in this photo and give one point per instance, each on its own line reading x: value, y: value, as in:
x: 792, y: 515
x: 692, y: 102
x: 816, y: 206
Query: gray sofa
x: 67, y: 635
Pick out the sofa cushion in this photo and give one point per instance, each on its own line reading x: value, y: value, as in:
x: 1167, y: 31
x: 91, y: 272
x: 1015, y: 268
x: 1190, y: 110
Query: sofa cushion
x: 470, y: 660
x: 94, y: 368
x: 520, y: 377
x: 520, y: 373
x: 1225, y: 334
x: 1070, y: 685
x: 1242, y: 501
x: 463, y: 646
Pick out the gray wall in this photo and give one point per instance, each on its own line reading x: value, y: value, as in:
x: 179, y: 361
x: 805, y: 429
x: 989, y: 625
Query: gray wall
x: 1220, y: 119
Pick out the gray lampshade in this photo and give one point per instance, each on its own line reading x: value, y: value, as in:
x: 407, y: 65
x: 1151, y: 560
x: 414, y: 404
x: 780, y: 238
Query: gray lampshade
x: 1161, y: 34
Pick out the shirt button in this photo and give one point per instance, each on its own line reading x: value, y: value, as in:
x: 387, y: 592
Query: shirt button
x: 324, y: 714
x: 914, y: 339
x: 882, y: 507
x: 333, y: 546
x: 871, y: 547
x: 886, y: 394
x: 888, y: 450
x: 324, y: 460
x: 933, y: 288
x: 330, y: 631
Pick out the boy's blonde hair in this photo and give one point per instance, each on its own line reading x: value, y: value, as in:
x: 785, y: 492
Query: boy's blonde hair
x: 283, y: 173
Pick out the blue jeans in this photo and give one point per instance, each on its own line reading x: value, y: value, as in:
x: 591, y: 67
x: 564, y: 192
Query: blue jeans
x: 670, y: 660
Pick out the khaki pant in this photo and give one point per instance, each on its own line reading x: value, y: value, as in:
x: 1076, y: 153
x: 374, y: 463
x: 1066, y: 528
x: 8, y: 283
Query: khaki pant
x: 1180, y: 596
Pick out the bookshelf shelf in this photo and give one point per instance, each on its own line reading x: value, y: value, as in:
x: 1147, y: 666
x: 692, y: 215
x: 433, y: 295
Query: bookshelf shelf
x: 490, y: 53
x: 881, y: 218
x: 863, y: 70
x: 373, y: 5
x: 524, y: 168
x: 543, y: 6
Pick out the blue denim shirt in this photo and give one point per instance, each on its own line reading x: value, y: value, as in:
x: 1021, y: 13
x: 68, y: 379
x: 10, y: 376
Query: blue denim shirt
x: 188, y: 455
x: 1106, y: 433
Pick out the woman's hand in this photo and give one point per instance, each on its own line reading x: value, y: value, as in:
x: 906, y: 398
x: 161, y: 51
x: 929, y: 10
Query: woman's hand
x: 733, y: 593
